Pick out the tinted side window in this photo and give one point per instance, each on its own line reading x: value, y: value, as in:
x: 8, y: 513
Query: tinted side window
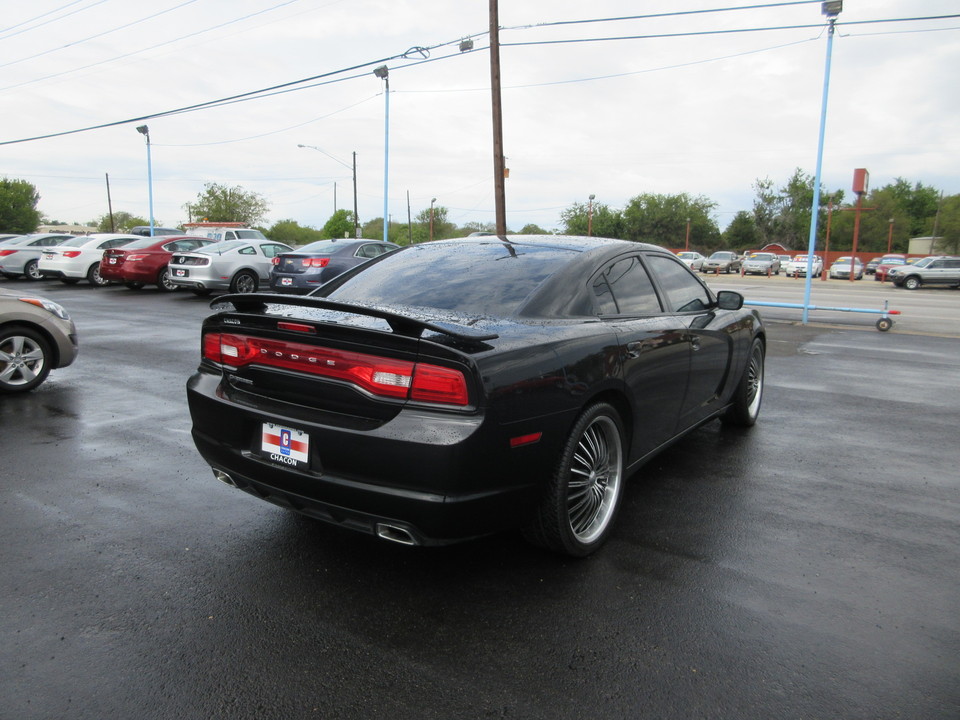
x: 369, y: 251
x: 684, y: 292
x: 624, y: 288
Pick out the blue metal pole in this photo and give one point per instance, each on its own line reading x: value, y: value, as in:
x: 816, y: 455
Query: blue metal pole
x: 386, y: 159
x: 150, y: 183
x: 812, y: 244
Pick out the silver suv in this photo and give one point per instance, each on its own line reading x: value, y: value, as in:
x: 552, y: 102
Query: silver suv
x: 934, y: 270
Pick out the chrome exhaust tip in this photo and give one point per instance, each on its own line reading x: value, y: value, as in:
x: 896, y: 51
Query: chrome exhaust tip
x: 395, y: 534
x: 224, y: 478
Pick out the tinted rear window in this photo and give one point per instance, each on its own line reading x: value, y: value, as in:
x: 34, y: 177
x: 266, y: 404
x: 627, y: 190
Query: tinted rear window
x: 321, y: 247
x: 490, y: 279
x: 138, y: 244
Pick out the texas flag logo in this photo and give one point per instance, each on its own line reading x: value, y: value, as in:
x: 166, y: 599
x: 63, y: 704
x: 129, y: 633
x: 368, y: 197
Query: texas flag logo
x: 283, y: 443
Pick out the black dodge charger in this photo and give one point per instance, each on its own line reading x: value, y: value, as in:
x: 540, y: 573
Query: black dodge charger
x: 456, y: 388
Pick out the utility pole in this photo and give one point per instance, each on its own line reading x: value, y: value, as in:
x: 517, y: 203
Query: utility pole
x: 356, y: 218
x: 109, y: 203
x: 498, y: 160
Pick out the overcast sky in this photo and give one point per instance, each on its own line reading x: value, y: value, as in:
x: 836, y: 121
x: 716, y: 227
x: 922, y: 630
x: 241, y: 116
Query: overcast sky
x: 707, y: 113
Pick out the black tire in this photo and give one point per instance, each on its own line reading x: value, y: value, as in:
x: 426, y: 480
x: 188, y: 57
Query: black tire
x: 244, y: 282
x: 134, y: 285
x: 749, y: 393
x: 31, y: 270
x: 912, y: 282
x: 25, y: 359
x: 164, y: 284
x: 579, y: 504
x: 94, y: 277
x: 884, y: 324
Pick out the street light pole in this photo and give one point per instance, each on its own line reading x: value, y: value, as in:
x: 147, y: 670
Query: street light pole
x: 432, y: 201
x: 890, y: 238
x: 590, y: 215
x: 830, y: 8
x: 686, y: 245
x: 383, y: 72
x: 145, y: 131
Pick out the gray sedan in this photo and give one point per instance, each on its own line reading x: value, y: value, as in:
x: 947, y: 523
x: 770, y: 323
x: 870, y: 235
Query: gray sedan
x: 20, y: 255
x: 239, y: 266
x: 312, y: 265
x: 36, y: 335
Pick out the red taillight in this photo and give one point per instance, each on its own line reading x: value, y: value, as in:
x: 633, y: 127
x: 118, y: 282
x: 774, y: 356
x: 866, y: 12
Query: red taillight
x: 275, y: 261
x: 315, y: 262
x: 380, y: 376
x: 432, y: 383
x: 4, y: 253
x: 134, y: 258
x: 71, y: 253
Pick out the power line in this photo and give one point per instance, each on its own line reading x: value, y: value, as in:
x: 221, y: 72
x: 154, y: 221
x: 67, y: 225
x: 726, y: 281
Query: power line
x: 700, y: 33
x: 662, y: 15
x: 99, y: 34
x: 297, y: 85
x: 152, y: 47
x: 47, y: 22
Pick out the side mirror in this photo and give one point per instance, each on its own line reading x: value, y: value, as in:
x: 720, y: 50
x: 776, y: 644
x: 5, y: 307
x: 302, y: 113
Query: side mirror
x: 729, y: 300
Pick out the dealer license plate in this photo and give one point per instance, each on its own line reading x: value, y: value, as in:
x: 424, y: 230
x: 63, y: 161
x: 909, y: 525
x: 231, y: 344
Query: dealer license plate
x: 179, y: 272
x: 285, y: 446
x: 286, y: 281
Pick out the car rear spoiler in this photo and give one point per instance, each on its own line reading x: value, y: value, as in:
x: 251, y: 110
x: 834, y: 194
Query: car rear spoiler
x: 400, y: 324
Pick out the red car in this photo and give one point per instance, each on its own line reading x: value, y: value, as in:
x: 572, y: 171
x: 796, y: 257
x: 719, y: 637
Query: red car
x: 886, y: 264
x: 144, y: 262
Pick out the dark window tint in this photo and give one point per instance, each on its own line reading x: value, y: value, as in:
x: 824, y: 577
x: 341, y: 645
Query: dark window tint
x: 624, y: 288
x: 489, y: 278
x: 684, y: 292
x: 372, y: 251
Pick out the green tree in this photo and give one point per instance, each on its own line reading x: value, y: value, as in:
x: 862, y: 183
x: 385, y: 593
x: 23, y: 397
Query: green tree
x: 918, y: 203
x: 605, y: 223
x: 339, y: 225
x: 292, y: 233
x: 122, y: 222
x: 741, y: 233
x: 948, y: 226
x: 477, y: 226
x: 219, y: 203
x: 442, y: 227
x: 18, y: 206
x: 662, y: 220
x: 533, y: 229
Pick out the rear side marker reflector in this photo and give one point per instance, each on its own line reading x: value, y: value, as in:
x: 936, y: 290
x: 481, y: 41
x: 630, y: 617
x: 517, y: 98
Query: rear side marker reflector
x: 522, y: 440
x: 384, y: 377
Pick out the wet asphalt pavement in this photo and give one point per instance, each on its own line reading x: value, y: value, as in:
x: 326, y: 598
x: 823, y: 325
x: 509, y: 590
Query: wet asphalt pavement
x: 808, y: 568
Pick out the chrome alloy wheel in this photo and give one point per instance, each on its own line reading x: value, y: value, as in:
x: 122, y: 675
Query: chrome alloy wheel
x: 22, y: 359
x: 754, y: 380
x: 596, y: 472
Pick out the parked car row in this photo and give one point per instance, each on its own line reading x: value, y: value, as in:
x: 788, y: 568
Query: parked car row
x: 200, y: 264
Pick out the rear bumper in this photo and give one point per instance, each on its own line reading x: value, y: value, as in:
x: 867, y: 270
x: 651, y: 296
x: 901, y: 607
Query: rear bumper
x: 442, y: 478
x: 62, y: 271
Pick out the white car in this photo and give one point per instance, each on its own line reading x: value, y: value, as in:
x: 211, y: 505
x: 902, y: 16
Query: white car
x: 79, y: 257
x: 239, y: 266
x: 798, y: 266
x: 692, y: 260
x: 841, y: 268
